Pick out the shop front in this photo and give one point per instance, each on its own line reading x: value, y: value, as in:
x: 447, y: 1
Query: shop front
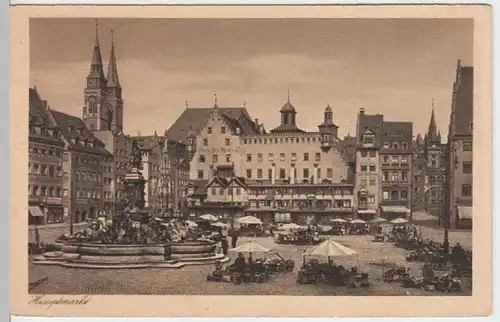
x: 54, y: 214
x: 366, y: 214
x: 464, y: 217
x: 394, y: 212
x: 35, y: 215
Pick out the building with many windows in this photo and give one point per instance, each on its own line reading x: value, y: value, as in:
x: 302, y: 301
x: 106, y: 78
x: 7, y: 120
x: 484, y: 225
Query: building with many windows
x: 459, y: 148
x: 383, y: 167
x: 84, y: 159
x: 285, y: 174
x: 45, y: 180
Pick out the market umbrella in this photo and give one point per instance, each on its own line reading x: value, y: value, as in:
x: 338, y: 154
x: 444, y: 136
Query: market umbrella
x: 339, y: 220
x: 330, y: 248
x: 250, y: 247
x: 358, y: 221
x: 250, y: 220
x: 378, y: 220
x: 191, y: 224
x: 290, y: 226
x: 399, y: 221
x: 324, y: 227
x: 219, y: 224
x: 209, y: 217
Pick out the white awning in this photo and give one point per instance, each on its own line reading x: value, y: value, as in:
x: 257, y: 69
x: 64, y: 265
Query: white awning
x: 367, y: 211
x: 35, y: 211
x: 395, y: 209
x: 464, y: 212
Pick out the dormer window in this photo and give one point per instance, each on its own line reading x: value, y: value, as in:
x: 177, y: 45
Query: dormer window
x: 395, y: 146
x: 368, y: 138
x: 223, y: 130
x: 238, y: 131
x: 386, y: 145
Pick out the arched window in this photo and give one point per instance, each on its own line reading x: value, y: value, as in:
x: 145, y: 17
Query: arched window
x: 92, y: 105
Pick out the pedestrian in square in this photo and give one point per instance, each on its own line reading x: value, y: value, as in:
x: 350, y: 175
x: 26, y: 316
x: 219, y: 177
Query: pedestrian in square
x: 224, y: 245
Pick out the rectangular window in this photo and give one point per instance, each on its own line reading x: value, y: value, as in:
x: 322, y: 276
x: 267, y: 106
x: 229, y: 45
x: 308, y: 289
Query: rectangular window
x: 201, y: 159
x: 228, y: 158
x: 200, y: 174
x: 386, y: 159
x: 386, y: 176
x: 467, y: 146
x: 271, y: 157
x: 364, y: 168
x: 249, y: 158
x: 270, y: 174
x: 51, y: 171
x: 404, y: 194
x: 205, y: 142
x: 259, y: 157
x: 249, y: 173
x: 372, y: 168
x: 364, y: 154
x: 394, y: 195
x: 214, y: 158
x: 317, y: 157
x: 228, y: 142
x: 238, y: 191
x: 404, y: 159
x: 373, y: 153
x: 371, y: 199
x: 282, y: 157
x: 259, y: 173
x: 395, y: 176
x: 221, y: 191
x: 385, y: 194
x: 404, y: 176
x: 294, y: 156
x: 43, y: 171
x: 282, y: 173
x: 306, y: 156
x: 209, y: 130
x: 395, y: 159
x: 318, y: 173
x: 466, y: 190
x: 305, y: 173
x: 467, y: 167
x: 223, y: 130
x: 329, y: 173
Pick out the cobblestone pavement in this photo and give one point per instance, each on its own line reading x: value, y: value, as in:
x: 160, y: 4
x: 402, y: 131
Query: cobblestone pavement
x: 191, y: 280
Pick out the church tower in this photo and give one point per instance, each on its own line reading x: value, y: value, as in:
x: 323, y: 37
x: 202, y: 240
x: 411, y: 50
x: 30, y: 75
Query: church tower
x: 114, y: 90
x: 95, y: 114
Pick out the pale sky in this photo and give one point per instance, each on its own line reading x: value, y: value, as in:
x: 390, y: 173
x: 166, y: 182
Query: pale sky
x: 393, y: 67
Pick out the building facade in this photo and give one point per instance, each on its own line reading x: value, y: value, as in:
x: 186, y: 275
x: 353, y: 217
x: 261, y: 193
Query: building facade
x: 287, y: 174
x: 84, y: 160
x: 383, y: 167
x: 45, y: 180
x: 459, y: 167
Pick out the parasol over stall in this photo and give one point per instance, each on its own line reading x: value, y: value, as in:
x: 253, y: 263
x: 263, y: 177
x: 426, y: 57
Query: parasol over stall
x: 250, y: 220
x: 290, y: 226
x: 339, y: 220
x: 357, y: 221
x: 399, y: 221
x: 209, y: 217
x: 250, y: 247
x: 378, y: 220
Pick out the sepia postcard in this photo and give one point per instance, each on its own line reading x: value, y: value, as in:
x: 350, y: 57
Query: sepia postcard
x: 239, y: 161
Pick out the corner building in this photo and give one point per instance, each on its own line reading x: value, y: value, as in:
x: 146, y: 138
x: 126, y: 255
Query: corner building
x: 282, y: 175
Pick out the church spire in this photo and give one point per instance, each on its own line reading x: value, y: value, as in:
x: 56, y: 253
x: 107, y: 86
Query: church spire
x: 432, y: 133
x: 96, y: 69
x: 112, y: 69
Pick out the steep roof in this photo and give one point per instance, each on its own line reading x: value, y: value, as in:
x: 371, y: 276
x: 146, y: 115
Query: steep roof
x: 79, y: 131
x: 194, y: 119
x: 398, y: 132
x: 287, y: 128
x: 463, y: 107
x: 39, y: 116
x: 432, y: 132
x: 112, y: 78
x: 350, y: 148
x: 372, y: 123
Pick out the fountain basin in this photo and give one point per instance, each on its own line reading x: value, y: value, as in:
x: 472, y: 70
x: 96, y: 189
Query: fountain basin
x: 98, y: 255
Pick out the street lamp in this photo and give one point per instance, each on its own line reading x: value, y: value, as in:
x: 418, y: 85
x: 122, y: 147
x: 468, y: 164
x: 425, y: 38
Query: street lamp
x: 451, y: 166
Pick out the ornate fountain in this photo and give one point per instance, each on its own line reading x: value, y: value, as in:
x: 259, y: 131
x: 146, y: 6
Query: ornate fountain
x: 134, y: 239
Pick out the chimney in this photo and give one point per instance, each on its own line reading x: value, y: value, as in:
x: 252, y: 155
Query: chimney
x: 256, y: 124
x: 362, y: 111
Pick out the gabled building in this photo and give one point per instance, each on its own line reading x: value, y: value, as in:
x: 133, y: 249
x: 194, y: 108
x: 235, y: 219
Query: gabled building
x: 459, y: 169
x: 302, y: 171
x: 84, y: 160
x: 45, y: 174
